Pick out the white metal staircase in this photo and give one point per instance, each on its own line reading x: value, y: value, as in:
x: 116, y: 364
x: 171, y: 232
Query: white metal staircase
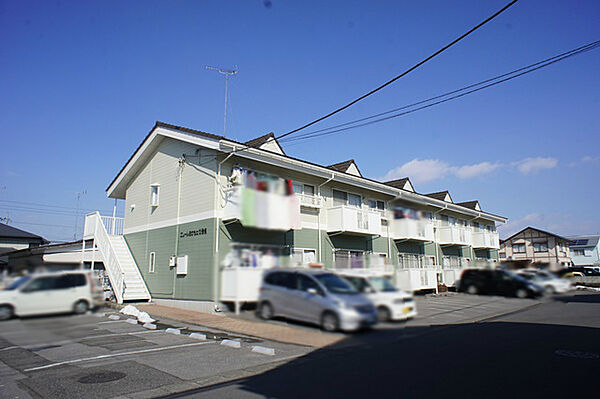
x: 125, y: 278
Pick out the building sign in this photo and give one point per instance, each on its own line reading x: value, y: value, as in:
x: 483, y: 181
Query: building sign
x: 192, y: 233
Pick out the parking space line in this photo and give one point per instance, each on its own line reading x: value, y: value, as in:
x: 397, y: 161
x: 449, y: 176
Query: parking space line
x: 68, y: 341
x: 86, y: 359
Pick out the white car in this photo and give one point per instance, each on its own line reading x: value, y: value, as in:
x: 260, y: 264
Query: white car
x: 549, y: 281
x: 44, y: 293
x: 391, y: 303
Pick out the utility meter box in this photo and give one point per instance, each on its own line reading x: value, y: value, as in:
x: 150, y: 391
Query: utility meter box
x: 172, y: 261
x: 182, y: 265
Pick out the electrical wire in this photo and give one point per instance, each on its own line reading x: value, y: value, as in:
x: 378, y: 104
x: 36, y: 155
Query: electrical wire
x: 321, y: 133
x: 575, y: 51
x: 389, y: 82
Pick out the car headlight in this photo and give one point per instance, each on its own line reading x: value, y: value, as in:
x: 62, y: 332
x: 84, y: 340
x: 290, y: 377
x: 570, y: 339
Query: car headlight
x: 343, y: 305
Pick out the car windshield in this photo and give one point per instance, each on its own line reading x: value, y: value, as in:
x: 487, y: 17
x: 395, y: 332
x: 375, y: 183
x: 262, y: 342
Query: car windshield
x: 515, y: 276
x: 18, y: 283
x: 382, y: 284
x: 336, y: 284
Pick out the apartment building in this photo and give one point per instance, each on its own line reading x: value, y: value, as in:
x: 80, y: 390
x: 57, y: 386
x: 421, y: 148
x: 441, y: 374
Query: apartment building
x: 536, y: 246
x: 205, y: 215
x: 585, y: 250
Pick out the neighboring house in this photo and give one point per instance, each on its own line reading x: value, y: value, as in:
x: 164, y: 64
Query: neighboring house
x: 12, y: 239
x: 536, y: 246
x: 204, y: 215
x: 54, y: 257
x: 585, y: 250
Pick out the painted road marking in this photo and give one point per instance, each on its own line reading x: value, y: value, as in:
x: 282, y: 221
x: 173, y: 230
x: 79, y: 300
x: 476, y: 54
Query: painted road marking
x: 86, y: 359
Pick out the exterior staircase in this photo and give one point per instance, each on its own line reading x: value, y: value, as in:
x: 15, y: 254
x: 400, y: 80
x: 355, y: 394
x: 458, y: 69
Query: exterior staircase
x: 124, y: 276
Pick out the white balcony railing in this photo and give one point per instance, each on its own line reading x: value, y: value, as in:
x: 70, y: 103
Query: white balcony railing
x: 486, y: 239
x: 411, y: 229
x: 453, y: 235
x: 353, y: 220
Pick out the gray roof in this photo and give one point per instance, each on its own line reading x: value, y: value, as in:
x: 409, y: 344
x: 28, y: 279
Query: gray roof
x: 398, y: 183
x: 441, y: 195
x: 7, y: 231
x: 342, y: 166
x: 469, y: 204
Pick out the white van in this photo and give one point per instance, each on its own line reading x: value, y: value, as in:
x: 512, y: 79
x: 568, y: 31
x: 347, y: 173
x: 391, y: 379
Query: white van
x: 391, y: 302
x: 35, y: 294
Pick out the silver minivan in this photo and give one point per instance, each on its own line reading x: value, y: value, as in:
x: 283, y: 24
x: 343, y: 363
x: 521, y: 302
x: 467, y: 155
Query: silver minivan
x: 314, y: 296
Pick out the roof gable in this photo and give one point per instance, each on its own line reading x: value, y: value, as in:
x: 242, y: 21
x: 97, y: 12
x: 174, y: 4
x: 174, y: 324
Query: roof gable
x: 470, y: 204
x: 268, y: 142
x: 535, y: 229
x: 348, y: 166
x: 403, y: 184
x: 442, y: 196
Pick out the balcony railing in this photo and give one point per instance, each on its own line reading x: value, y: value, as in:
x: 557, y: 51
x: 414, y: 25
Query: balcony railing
x: 411, y: 229
x: 486, y: 239
x: 453, y: 235
x: 350, y: 219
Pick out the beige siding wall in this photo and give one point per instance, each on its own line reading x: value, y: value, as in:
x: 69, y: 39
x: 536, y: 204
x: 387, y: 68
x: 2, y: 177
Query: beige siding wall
x: 196, y: 195
x: 558, y: 250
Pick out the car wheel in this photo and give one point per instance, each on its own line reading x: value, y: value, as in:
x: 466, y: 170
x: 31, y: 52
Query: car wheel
x: 330, y: 321
x: 265, y: 311
x: 383, y: 314
x: 549, y: 290
x: 521, y: 293
x: 6, y: 312
x: 80, y: 307
x: 472, y: 290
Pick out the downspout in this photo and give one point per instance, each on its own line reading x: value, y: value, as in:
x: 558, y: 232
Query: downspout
x: 319, y: 215
x: 437, y: 247
x: 217, y: 228
x: 180, y: 177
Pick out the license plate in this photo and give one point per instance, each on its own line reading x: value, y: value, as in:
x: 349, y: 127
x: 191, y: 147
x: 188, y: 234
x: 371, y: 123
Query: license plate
x: 407, y: 310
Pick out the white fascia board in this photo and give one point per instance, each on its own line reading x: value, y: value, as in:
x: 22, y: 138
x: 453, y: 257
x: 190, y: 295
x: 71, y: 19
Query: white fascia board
x: 304, y: 167
x: 117, y: 188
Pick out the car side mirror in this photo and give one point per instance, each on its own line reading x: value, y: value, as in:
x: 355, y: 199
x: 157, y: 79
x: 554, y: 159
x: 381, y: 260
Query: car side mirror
x: 312, y: 291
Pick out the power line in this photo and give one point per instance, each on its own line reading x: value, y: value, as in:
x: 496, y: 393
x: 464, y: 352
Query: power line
x: 42, y: 224
x: 324, y: 133
x: 46, y: 205
x: 577, y: 50
x: 389, y: 82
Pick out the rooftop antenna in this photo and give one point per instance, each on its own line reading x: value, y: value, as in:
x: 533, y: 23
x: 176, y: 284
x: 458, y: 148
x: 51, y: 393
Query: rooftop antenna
x: 227, y: 73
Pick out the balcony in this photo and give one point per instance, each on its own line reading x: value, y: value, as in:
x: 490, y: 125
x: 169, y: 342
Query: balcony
x: 348, y: 219
x: 486, y: 239
x: 261, y: 210
x: 411, y: 229
x: 453, y: 235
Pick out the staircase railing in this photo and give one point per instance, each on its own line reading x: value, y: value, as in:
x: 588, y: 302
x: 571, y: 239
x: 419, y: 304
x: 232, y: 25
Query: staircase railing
x: 95, y: 228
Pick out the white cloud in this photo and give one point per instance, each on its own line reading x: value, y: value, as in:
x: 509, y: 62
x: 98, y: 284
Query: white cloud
x: 424, y: 170
x: 479, y: 169
x: 420, y: 170
x: 533, y: 165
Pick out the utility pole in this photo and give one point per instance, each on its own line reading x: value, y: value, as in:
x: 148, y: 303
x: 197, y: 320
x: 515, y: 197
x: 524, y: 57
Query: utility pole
x: 227, y: 73
x: 79, y: 194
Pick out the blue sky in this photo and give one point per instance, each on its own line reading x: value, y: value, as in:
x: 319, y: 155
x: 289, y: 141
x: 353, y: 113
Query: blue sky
x: 82, y: 83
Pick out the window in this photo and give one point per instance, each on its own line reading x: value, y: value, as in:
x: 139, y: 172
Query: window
x: 154, y: 194
x: 305, y: 283
x: 41, y: 284
x: 152, y: 262
x: 71, y: 281
x: 309, y: 190
x: 578, y: 252
x: 540, y: 246
x: 282, y: 279
x: 344, y: 198
x: 518, y: 248
x: 344, y: 259
x: 502, y: 255
x: 380, y: 205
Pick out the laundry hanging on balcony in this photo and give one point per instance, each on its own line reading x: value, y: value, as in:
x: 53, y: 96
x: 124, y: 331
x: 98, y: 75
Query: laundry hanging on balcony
x: 267, y: 202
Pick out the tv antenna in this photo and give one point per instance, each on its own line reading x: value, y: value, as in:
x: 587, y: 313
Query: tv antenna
x: 227, y: 73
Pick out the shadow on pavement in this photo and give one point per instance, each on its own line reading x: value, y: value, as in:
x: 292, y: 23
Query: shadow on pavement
x: 500, y: 359
x: 578, y: 298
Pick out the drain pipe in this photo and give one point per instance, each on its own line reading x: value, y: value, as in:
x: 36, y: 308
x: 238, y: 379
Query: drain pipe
x: 179, y: 179
x: 319, y: 215
x: 217, y: 209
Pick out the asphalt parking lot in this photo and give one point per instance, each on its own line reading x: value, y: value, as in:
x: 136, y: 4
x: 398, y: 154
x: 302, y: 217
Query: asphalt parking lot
x: 93, y: 356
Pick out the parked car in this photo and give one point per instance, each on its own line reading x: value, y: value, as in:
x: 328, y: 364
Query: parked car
x: 572, y: 274
x: 497, y: 282
x: 315, y: 296
x: 44, y: 293
x: 586, y: 271
x: 549, y: 281
x: 390, y: 302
